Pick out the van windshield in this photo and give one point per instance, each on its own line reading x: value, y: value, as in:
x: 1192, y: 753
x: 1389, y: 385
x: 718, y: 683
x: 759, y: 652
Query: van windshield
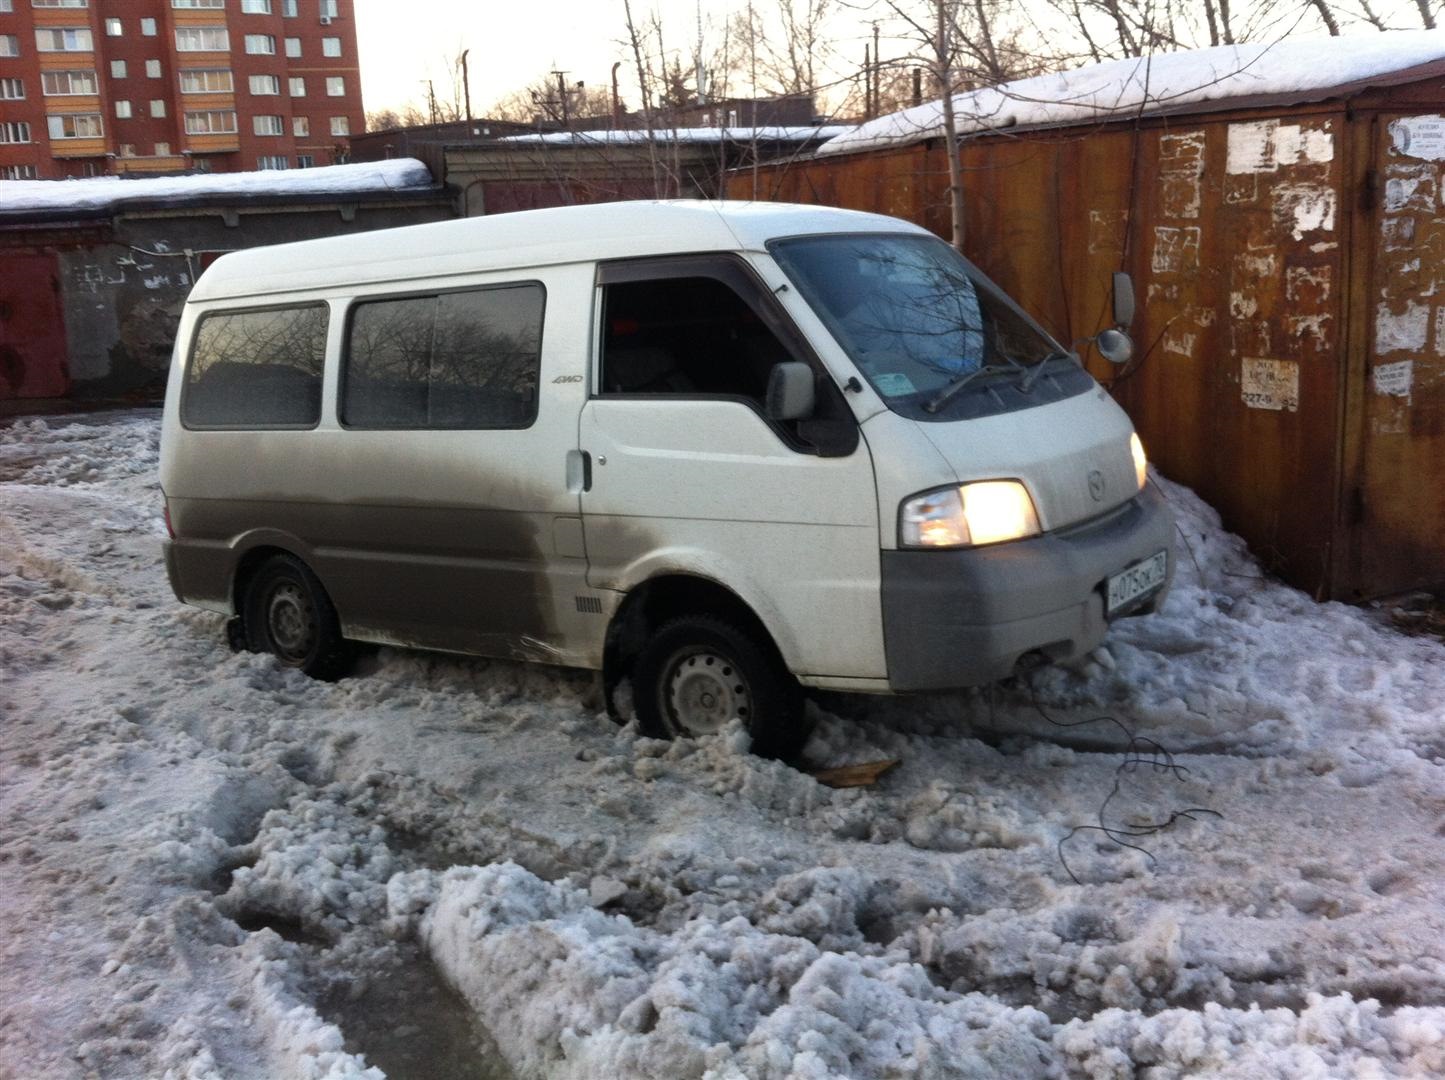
x: 917, y: 319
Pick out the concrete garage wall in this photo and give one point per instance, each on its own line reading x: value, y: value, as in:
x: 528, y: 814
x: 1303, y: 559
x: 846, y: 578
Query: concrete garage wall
x: 123, y: 281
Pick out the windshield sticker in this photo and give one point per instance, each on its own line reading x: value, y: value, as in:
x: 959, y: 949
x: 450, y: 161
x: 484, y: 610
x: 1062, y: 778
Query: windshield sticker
x: 1270, y: 384
x: 894, y: 384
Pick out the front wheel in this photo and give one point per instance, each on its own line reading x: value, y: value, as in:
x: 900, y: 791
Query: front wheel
x: 700, y: 673
x: 288, y: 614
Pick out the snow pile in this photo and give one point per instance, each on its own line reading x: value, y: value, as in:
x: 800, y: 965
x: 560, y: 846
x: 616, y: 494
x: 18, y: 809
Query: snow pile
x: 446, y: 867
x: 109, y: 192
x: 631, y: 137
x: 1166, y: 82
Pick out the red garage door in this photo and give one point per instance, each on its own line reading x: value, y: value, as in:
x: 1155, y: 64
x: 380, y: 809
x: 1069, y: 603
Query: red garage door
x: 32, y: 327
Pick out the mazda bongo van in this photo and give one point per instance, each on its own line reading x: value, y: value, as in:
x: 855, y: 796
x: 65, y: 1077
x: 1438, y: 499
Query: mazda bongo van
x: 719, y: 452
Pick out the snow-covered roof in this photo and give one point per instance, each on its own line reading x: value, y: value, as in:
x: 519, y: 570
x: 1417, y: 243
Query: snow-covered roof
x: 110, y: 192
x: 631, y: 136
x: 1167, y: 82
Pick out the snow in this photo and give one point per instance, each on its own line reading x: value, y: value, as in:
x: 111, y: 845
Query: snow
x: 102, y: 192
x: 1166, y: 82
x: 214, y: 867
x: 628, y: 137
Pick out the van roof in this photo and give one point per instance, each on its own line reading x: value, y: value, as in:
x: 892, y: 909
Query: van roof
x: 528, y: 238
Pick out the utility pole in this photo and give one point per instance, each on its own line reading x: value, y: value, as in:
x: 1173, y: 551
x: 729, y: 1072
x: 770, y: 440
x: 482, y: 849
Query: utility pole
x: 467, y: 89
x: 562, y: 93
x: 877, y: 76
x: 616, y: 98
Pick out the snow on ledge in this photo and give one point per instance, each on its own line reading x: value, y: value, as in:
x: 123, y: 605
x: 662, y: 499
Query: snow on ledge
x: 1167, y: 82
x: 631, y: 136
x: 100, y: 192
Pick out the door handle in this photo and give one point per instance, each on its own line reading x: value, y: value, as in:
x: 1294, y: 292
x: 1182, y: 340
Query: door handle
x: 579, y: 471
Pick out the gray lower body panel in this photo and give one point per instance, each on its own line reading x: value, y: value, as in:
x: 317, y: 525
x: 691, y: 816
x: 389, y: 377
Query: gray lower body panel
x: 953, y: 619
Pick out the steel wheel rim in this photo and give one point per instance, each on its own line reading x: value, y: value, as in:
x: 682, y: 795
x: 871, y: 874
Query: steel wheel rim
x: 291, y: 622
x: 704, y: 691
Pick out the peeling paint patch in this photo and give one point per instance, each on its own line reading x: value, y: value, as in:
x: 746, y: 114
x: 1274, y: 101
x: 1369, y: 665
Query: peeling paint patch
x: 1395, y: 379
x: 1106, y: 231
x: 1311, y: 331
x: 1258, y: 265
x: 1175, y: 250
x: 1404, y: 331
x: 1242, y: 305
x: 1419, y: 137
x: 1308, y: 285
x: 1410, y: 187
x: 1269, y: 384
x: 1181, y: 165
x: 1303, y: 208
x: 1268, y: 145
x: 1180, y: 342
x: 1398, y: 233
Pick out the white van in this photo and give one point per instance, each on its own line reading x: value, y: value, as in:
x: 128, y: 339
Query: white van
x: 721, y: 451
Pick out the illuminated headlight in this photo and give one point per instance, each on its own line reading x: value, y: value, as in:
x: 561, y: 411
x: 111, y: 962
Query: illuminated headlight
x: 1141, y: 463
x: 986, y: 512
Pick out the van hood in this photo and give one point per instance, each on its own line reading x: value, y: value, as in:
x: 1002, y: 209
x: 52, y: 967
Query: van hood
x: 1072, y: 455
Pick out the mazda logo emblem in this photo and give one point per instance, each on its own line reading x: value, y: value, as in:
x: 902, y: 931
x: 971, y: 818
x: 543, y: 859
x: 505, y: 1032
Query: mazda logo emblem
x: 1096, y: 485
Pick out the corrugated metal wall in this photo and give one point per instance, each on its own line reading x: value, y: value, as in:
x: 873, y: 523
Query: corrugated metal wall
x: 1260, y: 242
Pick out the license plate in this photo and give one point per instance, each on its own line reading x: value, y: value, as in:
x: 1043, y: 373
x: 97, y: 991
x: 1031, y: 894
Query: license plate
x: 1137, y: 581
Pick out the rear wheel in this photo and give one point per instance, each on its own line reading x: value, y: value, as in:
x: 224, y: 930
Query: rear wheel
x: 288, y: 614
x: 699, y: 673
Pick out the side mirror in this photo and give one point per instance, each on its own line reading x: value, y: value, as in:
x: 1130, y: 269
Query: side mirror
x: 1123, y: 300
x: 790, y: 391
x: 1114, y: 346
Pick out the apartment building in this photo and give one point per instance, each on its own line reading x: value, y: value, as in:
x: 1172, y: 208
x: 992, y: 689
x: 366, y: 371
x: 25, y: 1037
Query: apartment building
x: 90, y: 87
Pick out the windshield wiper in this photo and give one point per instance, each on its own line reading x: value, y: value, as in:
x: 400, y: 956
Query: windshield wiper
x: 949, y: 392
x: 1033, y: 375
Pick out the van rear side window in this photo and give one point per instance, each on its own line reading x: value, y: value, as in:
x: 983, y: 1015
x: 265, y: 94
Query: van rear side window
x: 257, y: 369
x: 467, y: 359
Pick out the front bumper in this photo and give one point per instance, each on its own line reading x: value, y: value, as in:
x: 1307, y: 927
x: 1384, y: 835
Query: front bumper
x: 953, y: 619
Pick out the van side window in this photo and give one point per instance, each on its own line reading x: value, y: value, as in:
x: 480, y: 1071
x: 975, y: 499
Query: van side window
x: 686, y: 335
x: 257, y: 369
x: 467, y: 360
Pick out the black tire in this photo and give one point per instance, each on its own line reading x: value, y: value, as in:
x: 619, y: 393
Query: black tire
x: 288, y: 614
x: 699, y: 672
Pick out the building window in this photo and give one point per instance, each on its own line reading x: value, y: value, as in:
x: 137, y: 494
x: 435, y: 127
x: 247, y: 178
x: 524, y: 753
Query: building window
x: 257, y: 369
x: 328, y: 9
x: 122, y: 110
x: 300, y: 126
x: 12, y: 90
x: 211, y: 122
x: 67, y: 83
x: 163, y: 149
x: 6, y: 6
x: 113, y: 28
x: 260, y: 45
x: 212, y: 4
x: 207, y: 81
x: 127, y: 149
x: 293, y: 47
x: 267, y: 125
x: 75, y: 126
x: 335, y: 86
x: 298, y: 86
x: 17, y: 172
x: 272, y: 161
x: 153, y: 69
x: 340, y: 125
x: 305, y: 161
x: 158, y: 108
x: 64, y: 39
x: 288, y: 8
x: 53, y: 4
x: 331, y: 46
x: 15, y: 132
x: 148, y: 28
x: 202, y: 39
x: 265, y: 85
x: 9, y: 45
x: 255, y: 7
x: 117, y: 69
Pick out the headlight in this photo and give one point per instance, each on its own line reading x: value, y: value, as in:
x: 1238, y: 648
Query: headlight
x: 986, y: 512
x: 1141, y: 463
